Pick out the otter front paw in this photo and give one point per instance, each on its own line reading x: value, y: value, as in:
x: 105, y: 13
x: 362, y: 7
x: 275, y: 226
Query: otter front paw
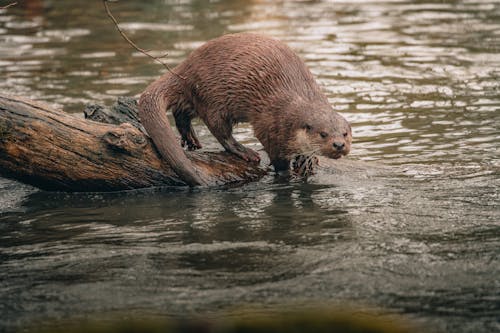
x: 250, y: 155
x: 244, y: 153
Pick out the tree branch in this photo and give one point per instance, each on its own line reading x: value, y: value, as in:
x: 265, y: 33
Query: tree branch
x: 9, y: 5
x: 134, y: 45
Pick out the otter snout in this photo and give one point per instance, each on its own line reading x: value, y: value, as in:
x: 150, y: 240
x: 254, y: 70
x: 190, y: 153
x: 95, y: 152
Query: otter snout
x: 339, y: 146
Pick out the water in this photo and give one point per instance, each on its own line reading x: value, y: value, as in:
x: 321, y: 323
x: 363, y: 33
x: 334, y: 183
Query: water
x: 411, y: 225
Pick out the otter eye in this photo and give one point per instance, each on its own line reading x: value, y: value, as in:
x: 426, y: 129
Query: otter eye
x: 345, y: 135
x: 323, y: 135
x: 308, y: 127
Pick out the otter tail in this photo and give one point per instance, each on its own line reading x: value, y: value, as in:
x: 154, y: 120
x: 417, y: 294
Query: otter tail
x: 153, y: 105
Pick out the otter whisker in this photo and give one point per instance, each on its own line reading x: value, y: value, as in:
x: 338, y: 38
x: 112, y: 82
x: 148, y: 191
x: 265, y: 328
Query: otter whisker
x: 311, y: 151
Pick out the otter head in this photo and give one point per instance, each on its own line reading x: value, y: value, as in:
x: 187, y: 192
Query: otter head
x: 325, y: 133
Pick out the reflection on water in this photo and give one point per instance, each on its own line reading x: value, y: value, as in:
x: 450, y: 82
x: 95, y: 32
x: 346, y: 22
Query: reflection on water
x: 410, y: 223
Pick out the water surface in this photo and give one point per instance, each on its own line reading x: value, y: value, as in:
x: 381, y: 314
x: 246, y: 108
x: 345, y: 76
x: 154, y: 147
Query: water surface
x: 411, y: 224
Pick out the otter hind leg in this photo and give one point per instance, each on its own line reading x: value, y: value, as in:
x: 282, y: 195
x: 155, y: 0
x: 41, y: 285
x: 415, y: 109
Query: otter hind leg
x: 189, y: 138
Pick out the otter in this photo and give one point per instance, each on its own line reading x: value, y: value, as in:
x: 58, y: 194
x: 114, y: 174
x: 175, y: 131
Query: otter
x: 243, y: 78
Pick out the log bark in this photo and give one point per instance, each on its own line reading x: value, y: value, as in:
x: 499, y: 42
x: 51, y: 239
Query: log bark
x: 54, y: 150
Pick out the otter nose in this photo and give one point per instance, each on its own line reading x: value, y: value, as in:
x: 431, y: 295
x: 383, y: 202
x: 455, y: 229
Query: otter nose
x: 339, y: 145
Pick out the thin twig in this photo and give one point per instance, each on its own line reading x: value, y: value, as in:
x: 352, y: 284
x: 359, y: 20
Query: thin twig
x: 134, y: 45
x: 9, y: 5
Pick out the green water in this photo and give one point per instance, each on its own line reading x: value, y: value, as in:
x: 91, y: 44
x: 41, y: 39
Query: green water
x: 413, y: 227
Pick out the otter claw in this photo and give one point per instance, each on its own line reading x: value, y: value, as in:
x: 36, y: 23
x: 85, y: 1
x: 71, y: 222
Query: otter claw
x: 253, y: 157
x: 250, y: 157
x: 190, y: 143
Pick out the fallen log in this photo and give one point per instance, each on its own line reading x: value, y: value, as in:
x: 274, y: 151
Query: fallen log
x: 54, y: 150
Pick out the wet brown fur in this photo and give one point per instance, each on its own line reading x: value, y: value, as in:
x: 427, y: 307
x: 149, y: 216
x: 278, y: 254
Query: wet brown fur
x: 245, y: 78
